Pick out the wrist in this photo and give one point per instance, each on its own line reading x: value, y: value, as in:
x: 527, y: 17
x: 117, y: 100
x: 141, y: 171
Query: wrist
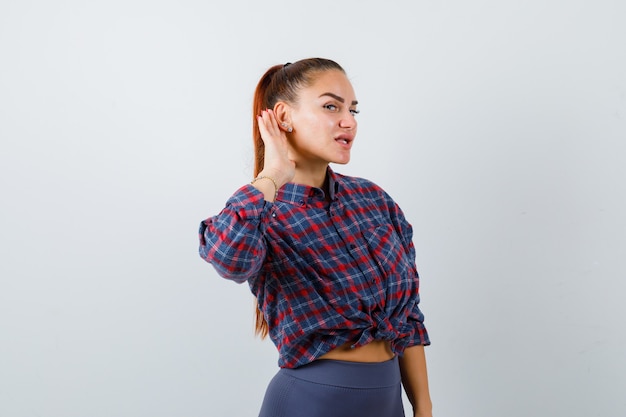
x: 423, y: 409
x: 268, y: 179
x: 277, y: 176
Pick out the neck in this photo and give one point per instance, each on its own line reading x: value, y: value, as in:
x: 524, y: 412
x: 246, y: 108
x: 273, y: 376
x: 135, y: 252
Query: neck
x: 313, y: 178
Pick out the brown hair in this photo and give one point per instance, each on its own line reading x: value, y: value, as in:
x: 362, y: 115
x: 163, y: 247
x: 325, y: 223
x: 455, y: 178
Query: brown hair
x: 281, y: 83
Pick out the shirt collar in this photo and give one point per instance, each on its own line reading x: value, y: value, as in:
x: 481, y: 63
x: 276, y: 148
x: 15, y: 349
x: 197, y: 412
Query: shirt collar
x: 300, y: 194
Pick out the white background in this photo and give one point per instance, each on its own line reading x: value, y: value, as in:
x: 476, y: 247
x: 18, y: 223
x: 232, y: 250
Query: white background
x: 499, y: 127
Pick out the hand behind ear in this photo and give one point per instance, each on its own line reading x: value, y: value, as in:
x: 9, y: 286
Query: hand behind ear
x: 278, y: 163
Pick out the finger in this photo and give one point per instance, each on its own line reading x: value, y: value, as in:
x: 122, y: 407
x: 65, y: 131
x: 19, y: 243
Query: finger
x: 273, y: 122
x: 266, y: 117
x: 261, y: 119
x: 269, y: 126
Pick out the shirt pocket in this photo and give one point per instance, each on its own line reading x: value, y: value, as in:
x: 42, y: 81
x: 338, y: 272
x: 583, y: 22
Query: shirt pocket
x: 386, y: 250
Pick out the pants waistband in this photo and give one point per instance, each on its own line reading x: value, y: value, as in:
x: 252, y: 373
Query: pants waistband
x: 349, y: 374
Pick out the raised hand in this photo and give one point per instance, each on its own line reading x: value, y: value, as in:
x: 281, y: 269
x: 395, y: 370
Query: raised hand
x: 277, y: 165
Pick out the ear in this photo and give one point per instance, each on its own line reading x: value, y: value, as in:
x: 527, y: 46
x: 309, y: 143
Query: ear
x: 282, y: 111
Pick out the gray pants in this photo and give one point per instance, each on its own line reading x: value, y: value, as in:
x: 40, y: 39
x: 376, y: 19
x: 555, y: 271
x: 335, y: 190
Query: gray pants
x: 330, y: 388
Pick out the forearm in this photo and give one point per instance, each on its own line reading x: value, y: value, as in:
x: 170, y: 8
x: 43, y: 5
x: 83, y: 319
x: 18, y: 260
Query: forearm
x: 415, y: 380
x: 233, y: 241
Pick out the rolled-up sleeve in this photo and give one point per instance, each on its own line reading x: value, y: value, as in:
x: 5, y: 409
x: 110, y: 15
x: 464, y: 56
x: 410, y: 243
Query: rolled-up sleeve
x: 233, y: 241
x: 419, y: 334
x: 414, y: 331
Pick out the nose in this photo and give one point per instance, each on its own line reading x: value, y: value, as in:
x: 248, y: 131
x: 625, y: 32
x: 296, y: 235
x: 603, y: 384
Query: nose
x: 348, y: 121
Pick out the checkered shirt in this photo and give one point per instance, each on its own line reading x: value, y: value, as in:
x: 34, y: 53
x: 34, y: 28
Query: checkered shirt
x: 325, y: 273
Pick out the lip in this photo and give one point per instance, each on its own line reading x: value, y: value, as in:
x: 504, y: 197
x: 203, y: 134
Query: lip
x: 345, y: 139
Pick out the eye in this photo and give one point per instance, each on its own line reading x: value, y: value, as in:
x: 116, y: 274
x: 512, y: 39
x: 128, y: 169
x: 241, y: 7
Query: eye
x: 331, y: 107
x: 354, y: 112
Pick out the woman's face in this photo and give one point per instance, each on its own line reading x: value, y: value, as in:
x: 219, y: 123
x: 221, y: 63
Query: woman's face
x: 323, y: 121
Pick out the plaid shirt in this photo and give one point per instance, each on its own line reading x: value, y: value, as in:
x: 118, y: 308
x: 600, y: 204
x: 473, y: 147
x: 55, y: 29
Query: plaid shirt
x: 324, y: 273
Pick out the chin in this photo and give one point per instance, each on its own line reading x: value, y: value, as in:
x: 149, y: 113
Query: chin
x: 342, y: 159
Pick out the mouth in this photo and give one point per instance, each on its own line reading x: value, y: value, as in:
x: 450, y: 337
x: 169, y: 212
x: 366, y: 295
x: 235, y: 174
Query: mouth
x: 344, y: 139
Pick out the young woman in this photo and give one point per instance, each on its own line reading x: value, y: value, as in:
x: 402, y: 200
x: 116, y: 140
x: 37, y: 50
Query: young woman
x: 329, y: 257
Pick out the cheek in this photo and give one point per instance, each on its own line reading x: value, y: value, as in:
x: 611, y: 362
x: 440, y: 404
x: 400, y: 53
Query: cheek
x: 329, y: 122
x: 319, y: 123
x: 308, y: 121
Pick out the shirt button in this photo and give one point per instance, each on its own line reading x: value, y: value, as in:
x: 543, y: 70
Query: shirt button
x: 301, y: 202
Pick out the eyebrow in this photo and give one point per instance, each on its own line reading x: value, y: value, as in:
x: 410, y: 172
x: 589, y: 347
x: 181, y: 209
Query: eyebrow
x: 339, y: 99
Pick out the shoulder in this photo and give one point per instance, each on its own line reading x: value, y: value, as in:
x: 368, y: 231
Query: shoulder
x: 352, y: 185
x: 364, y: 192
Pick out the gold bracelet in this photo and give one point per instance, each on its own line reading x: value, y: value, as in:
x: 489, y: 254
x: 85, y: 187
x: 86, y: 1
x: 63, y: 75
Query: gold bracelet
x: 260, y: 177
